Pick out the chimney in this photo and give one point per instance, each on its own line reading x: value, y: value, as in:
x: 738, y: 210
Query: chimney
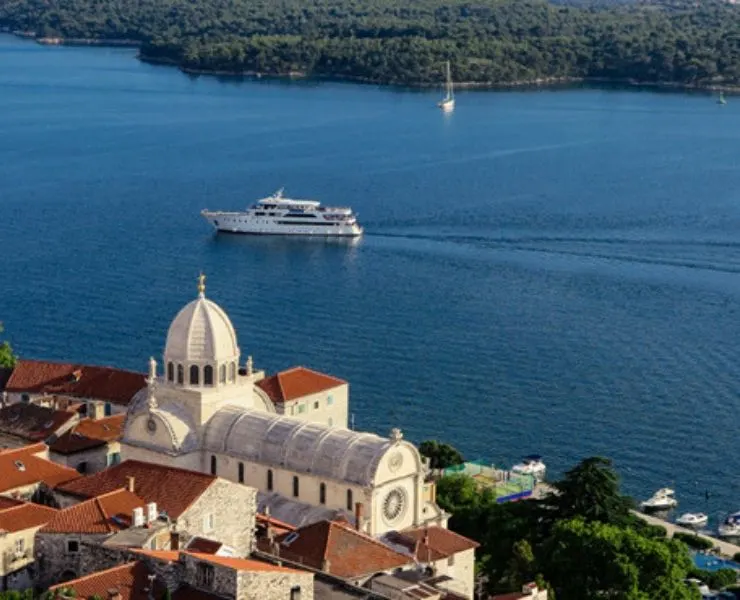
x: 130, y: 484
x: 137, y: 517
x: 174, y: 540
x: 358, y: 515
x: 114, y: 594
x: 151, y: 512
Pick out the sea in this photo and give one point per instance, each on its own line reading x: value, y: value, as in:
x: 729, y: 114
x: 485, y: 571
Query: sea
x: 549, y: 271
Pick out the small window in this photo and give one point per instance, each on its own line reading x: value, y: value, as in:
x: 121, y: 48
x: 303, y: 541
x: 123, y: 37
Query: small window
x: 295, y: 486
x: 209, y: 523
x: 25, y: 398
x: 108, y: 410
x: 295, y: 593
x: 20, y: 546
x: 232, y: 372
x: 214, y: 465
x: 194, y: 375
x: 322, y: 493
x: 114, y: 458
x: 222, y: 374
x: 82, y: 467
x: 301, y: 408
x: 204, y: 575
x: 349, y: 500
x: 180, y: 374
x: 73, y: 546
x: 451, y: 561
x: 83, y: 409
x: 241, y: 472
x: 329, y: 400
x: 269, y: 480
x: 316, y: 405
x: 170, y: 372
x: 208, y: 375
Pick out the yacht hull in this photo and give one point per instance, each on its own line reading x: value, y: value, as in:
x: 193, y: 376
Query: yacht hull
x: 238, y: 223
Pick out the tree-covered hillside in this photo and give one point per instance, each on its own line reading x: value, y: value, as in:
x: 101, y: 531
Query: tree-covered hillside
x: 384, y: 41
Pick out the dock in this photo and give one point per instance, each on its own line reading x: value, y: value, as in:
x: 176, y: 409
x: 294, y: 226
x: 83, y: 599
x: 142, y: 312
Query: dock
x: 725, y: 548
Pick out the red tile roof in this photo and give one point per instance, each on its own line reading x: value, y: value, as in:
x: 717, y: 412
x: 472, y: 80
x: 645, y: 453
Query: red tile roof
x: 173, y: 489
x: 164, y: 555
x: 89, y: 433
x: 432, y: 543
x: 297, y: 383
x: 6, y: 502
x: 107, y: 513
x: 242, y: 564
x: 204, y: 545
x: 34, y: 423
x: 25, y: 515
x: 131, y: 580
x: 278, y: 526
x: 20, y: 468
x: 338, y: 549
x: 82, y: 381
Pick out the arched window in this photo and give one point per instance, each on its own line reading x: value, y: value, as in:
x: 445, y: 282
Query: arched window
x: 241, y: 472
x: 194, y: 375
x: 322, y: 493
x: 232, y: 372
x: 269, y: 480
x: 208, y: 375
x: 349, y: 500
x: 214, y: 466
x: 222, y: 374
x: 295, y: 486
x: 180, y: 374
x: 170, y: 372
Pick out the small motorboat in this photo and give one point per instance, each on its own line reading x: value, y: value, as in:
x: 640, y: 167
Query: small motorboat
x: 730, y: 527
x: 531, y: 465
x: 692, y: 520
x: 663, y: 499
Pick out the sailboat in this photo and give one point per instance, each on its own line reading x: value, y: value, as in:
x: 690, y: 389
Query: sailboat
x: 447, y: 104
x: 721, y: 99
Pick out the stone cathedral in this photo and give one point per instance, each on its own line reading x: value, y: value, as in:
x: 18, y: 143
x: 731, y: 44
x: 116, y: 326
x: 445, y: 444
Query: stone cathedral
x: 285, y: 435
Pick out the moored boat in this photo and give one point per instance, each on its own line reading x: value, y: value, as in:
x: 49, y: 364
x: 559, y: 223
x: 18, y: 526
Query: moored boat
x: 730, y: 527
x: 531, y: 465
x: 692, y: 520
x: 663, y: 499
x: 278, y: 215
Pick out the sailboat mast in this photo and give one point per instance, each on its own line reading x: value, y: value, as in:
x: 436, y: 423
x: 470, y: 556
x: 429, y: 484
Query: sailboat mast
x: 449, y: 80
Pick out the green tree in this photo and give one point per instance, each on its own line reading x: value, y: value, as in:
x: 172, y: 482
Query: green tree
x: 440, y: 455
x: 7, y: 358
x: 590, y: 490
x: 587, y: 560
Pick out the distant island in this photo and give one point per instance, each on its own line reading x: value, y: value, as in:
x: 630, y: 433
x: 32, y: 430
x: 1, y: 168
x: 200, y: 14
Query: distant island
x: 489, y: 43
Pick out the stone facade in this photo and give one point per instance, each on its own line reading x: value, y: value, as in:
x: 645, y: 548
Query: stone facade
x: 460, y: 566
x: 329, y: 407
x: 225, y: 512
x: 92, y: 460
x: 16, y: 563
x: 274, y: 586
x: 61, y: 557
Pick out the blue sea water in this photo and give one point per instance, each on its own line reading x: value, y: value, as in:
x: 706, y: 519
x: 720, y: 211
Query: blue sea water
x: 550, y: 271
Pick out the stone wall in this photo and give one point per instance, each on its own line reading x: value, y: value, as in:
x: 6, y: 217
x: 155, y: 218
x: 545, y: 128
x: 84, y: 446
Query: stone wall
x: 225, y: 512
x: 96, y: 459
x: 209, y: 577
x: 54, y: 561
x: 268, y: 585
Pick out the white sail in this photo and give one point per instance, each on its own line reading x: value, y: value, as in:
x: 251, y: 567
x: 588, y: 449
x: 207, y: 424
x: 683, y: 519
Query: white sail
x: 447, y: 104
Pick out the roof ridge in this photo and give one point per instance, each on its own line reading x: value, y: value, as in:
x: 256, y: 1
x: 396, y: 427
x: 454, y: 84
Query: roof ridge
x: 98, y: 573
x: 364, y: 536
x: 104, y: 513
x: 280, y: 386
x: 159, y: 466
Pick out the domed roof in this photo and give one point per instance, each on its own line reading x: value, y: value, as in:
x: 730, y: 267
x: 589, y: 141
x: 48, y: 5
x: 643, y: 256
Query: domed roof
x: 201, y: 331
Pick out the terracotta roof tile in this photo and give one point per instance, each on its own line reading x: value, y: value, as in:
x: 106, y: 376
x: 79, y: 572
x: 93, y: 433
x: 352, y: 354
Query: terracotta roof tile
x: 432, y: 543
x: 107, y: 513
x: 89, y: 433
x: 339, y: 549
x: 296, y: 383
x: 25, y: 515
x: 204, y: 545
x: 277, y: 525
x: 20, y: 468
x: 173, y: 489
x: 82, y: 381
x: 6, y: 502
x: 164, y: 555
x: 242, y: 564
x: 131, y: 580
x: 32, y: 422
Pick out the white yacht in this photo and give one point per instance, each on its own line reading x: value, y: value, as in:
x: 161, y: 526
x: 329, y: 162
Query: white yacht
x: 663, y: 499
x: 447, y: 104
x: 692, y: 520
x: 730, y: 526
x: 278, y: 215
x: 531, y: 465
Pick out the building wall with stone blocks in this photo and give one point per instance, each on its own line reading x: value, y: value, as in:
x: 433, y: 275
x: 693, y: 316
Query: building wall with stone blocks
x: 209, y: 577
x: 266, y: 585
x: 460, y: 566
x: 225, y: 512
x: 61, y: 556
x: 94, y: 459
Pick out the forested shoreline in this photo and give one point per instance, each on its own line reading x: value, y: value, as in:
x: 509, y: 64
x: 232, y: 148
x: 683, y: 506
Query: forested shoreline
x: 491, y: 42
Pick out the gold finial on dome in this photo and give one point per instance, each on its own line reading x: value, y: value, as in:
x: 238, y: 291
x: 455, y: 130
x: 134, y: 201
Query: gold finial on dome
x: 202, y: 284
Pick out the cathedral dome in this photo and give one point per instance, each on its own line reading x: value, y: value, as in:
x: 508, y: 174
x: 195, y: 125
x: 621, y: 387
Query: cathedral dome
x: 201, y: 332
